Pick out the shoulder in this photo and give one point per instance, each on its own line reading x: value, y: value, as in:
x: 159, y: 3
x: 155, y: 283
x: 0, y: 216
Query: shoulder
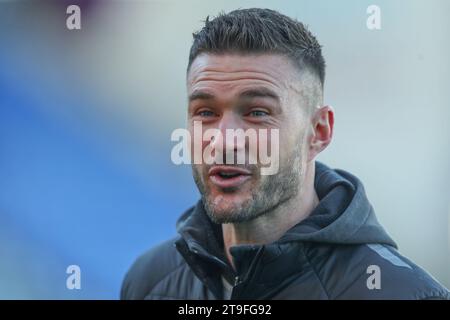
x: 151, y: 268
x: 372, y: 271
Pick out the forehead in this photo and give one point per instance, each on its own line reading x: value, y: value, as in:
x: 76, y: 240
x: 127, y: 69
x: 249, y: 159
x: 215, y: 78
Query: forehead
x: 234, y: 71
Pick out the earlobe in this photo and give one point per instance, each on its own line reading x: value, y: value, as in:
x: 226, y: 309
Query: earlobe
x: 322, y: 131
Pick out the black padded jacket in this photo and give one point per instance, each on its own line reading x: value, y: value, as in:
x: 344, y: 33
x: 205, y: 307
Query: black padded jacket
x: 339, y: 252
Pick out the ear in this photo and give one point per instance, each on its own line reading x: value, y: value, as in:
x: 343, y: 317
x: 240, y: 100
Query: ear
x: 322, y: 131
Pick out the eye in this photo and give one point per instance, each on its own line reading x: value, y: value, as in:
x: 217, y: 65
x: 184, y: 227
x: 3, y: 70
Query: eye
x: 206, y: 113
x: 258, y: 113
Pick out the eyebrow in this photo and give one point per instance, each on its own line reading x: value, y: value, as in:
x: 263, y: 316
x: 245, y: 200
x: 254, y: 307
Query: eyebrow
x: 200, y: 95
x: 261, y: 92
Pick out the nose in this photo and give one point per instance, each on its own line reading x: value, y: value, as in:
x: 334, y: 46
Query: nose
x: 231, y: 145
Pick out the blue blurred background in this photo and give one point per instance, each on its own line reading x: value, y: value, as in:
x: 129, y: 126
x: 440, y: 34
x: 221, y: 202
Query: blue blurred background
x: 86, y: 117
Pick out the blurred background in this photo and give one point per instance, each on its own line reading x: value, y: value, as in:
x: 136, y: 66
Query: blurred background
x: 86, y: 117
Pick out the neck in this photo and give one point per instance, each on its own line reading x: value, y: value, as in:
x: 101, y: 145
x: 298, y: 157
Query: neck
x: 273, y: 225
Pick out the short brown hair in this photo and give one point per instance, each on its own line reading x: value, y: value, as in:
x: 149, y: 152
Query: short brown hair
x: 260, y: 31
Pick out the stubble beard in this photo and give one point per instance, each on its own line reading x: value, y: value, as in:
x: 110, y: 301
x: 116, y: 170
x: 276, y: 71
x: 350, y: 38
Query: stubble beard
x: 273, y: 191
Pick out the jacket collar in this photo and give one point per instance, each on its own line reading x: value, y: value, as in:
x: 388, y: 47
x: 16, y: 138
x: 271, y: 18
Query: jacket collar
x: 340, y: 194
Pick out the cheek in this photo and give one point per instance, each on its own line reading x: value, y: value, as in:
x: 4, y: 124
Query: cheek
x: 196, y: 146
x: 267, y: 141
x: 290, y: 144
x: 199, y: 172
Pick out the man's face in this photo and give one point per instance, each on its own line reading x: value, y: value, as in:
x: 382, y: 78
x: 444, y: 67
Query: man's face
x: 248, y: 92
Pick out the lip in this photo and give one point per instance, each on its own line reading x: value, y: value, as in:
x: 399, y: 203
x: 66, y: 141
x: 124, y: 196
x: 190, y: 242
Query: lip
x: 233, y: 182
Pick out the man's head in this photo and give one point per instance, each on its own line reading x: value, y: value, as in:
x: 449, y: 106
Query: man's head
x: 257, y: 69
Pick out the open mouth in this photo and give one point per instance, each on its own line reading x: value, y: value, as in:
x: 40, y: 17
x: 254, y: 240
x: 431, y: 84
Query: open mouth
x: 228, y: 176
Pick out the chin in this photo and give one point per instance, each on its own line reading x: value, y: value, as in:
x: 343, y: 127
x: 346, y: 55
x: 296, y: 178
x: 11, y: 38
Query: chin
x: 226, y: 208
